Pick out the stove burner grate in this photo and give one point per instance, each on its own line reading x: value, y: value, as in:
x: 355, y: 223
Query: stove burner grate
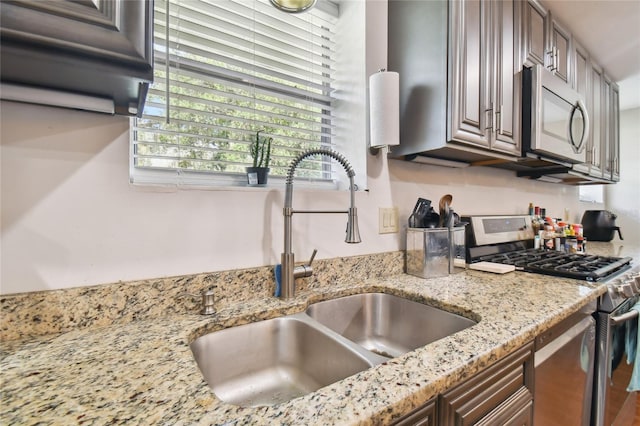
x: 579, y: 266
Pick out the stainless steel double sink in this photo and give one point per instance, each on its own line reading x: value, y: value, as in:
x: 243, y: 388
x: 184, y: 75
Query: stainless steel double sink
x: 273, y: 361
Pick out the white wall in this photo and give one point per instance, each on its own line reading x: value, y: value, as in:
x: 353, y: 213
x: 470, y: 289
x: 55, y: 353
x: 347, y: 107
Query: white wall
x: 624, y: 198
x: 69, y: 216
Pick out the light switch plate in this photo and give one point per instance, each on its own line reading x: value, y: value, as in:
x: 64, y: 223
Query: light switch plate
x: 388, y: 220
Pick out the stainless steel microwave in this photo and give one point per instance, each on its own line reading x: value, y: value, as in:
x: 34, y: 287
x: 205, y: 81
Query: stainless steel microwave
x: 555, y: 121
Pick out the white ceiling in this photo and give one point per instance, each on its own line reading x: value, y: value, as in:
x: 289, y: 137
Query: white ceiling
x: 610, y: 31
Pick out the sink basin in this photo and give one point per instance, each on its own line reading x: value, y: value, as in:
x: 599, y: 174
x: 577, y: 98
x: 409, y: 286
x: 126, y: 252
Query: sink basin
x: 276, y: 360
x: 273, y: 361
x: 385, y: 324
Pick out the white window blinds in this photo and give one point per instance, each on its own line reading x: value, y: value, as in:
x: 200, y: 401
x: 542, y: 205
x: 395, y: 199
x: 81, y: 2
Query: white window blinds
x: 225, y: 69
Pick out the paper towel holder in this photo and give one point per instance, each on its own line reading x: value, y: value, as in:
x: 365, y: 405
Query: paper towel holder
x: 383, y: 98
x: 375, y: 150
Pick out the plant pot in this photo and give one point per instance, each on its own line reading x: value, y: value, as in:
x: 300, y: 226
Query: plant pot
x: 257, y: 176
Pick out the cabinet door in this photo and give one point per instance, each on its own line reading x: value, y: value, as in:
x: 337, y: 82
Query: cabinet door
x: 607, y: 162
x: 499, y: 393
x: 422, y: 416
x: 515, y: 411
x: 580, y: 80
x: 533, y: 33
x: 594, y: 152
x: 610, y: 129
x: 506, y: 79
x: 615, y: 133
x: 559, y: 51
x: 470, y: 107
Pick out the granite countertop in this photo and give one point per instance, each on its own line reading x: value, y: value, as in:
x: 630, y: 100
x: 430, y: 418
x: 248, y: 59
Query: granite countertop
x: 143, y: 371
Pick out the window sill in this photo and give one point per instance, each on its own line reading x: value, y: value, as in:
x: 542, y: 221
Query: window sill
x: 164, y: 181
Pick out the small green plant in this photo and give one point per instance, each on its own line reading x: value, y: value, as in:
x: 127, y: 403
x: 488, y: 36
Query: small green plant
x: 261, y: 150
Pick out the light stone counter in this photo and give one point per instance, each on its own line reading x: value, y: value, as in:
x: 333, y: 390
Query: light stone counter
x: 142, y: 371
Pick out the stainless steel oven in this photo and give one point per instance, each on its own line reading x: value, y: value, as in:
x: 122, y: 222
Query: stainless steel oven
x: 497, y: 239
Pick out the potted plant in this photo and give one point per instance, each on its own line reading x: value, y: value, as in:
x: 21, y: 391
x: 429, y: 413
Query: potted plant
x: 260, y: 150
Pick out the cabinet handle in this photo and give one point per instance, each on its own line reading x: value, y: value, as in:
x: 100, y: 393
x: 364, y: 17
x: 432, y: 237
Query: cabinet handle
x: 499, y: 120
x: 552, y: 59
x: 549, y: 64
x: 489, y: 118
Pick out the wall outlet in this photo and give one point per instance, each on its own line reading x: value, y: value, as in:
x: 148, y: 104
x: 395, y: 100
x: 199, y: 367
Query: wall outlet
x: 388, y: 220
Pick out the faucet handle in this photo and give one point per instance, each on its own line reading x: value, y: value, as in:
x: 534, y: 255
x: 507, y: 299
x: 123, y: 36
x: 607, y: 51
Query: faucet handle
x: 313, y: 256
x: 299, y: 271
x: 305, y: 270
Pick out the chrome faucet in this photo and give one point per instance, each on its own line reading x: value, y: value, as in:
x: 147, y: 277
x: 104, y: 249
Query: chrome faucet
x: 287, y: 272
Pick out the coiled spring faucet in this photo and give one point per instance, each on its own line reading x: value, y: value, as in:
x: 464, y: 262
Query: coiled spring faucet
x: 287, y: 272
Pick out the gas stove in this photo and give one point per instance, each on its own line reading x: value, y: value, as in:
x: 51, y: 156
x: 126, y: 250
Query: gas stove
x: 509, y: 240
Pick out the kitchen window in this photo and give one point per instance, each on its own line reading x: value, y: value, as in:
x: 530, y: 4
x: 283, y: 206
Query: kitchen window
x: 225, y: 69
x: 591, y: 193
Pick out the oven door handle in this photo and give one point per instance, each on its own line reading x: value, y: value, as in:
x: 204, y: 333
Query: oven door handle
x: 624, y: 317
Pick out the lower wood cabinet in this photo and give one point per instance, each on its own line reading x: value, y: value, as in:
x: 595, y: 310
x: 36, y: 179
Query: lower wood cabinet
x: 515, y: 411
x: 421, y: 416
x: 500, y: 395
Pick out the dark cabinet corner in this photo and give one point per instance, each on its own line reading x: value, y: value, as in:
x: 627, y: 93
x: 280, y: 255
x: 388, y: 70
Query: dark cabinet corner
x: 101, y: 50
x: 424, y: 415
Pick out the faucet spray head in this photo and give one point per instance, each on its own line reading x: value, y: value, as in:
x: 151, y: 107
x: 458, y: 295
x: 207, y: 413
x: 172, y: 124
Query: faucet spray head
x: 353, y: 233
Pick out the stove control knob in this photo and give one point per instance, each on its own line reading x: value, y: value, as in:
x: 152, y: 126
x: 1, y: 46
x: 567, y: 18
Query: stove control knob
x: 623, y: 289
x: 617, y: 289
x: 637, y: 281
x: 634, y: 282
x: 627, y: 290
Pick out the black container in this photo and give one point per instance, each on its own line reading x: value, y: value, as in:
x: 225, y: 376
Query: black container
x: 599, y: 225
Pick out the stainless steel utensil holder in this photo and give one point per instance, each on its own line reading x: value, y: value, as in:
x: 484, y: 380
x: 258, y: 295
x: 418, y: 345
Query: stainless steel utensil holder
x: 435, y: 252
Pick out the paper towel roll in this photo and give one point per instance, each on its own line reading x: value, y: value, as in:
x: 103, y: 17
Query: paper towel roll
x: 384, y: 109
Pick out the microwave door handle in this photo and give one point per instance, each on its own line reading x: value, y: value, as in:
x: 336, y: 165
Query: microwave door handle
x: 587, y: 125
x: 580, y: 146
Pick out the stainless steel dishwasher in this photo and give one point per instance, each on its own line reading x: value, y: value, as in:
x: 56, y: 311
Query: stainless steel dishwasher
x: 564, y: 367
